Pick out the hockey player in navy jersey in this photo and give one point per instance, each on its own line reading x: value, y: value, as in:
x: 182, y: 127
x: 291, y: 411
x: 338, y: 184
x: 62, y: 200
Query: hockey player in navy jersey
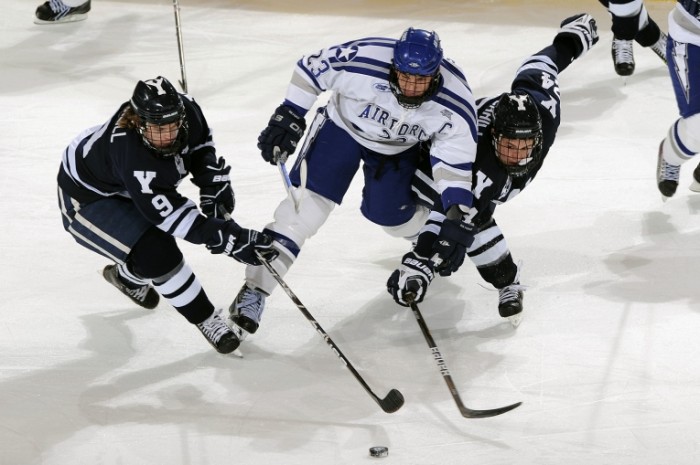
x: 682, y: 143
x: 117, y: 190
x: 516, y: 131
x: 387, y: 96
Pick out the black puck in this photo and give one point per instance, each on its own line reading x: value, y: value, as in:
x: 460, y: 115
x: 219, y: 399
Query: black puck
x: 378, y: 451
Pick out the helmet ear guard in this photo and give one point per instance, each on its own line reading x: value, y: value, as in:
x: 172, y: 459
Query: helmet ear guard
x: 516, y: 116
x: 157, y: 102
x: 417, y: 52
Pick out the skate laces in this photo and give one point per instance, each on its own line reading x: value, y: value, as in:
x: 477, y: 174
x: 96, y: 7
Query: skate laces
x: 667, y: 171
x: 214, y: 327
x: 622, y: 50
x: 510, y: 293
x: 57, y: 6
x: 659, y: 47
x: 250, y: 304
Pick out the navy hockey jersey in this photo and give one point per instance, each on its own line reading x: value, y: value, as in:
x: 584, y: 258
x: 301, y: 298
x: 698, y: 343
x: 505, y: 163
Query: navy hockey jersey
x: 106, y: 160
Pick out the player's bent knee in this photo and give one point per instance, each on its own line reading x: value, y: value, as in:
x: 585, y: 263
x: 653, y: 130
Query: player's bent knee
x: 412, y: 227
x: 298, y: 227
x: 156, y: 254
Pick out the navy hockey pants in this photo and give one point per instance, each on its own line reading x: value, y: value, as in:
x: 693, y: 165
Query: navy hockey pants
x: 333, y: 157
x: 110, y: 227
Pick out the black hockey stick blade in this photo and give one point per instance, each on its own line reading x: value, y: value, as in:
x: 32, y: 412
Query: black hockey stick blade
x: 466, y: 412
x: 469, y: 413
x: 392, y: 402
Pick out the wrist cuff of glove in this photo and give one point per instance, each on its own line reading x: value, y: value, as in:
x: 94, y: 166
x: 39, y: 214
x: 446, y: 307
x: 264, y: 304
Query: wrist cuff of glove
x: 457, y: 231
x: 213, y: 179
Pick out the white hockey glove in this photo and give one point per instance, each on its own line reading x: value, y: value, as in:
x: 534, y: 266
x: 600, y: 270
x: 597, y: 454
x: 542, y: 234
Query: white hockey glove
x: 582, y: 30
x: 413, y: 276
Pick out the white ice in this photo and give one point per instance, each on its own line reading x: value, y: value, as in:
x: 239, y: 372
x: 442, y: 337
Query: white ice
x: 605, y: 361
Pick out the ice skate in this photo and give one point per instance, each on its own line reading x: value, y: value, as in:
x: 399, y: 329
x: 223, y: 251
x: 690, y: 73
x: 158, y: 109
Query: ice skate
x: 659, y: 47
x: 55, y: 12
x: 246, y: 311
x: 219, y: 335
x: 141, y: 294
x: 667, y: 175
x: 623, y: 57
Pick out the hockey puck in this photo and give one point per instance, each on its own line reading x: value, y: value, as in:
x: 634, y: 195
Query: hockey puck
x: 378, y: 451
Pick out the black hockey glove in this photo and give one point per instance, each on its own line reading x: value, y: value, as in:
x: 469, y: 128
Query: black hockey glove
x: 216, y: 197
x: 451, y: 245
x: 241, y: 244
x: 581, y: 30
x: 279, y: 139
x: 412, y: 277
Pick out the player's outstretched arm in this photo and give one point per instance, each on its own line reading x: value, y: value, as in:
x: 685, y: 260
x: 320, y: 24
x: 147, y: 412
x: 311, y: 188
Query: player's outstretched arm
x: 579, y: 32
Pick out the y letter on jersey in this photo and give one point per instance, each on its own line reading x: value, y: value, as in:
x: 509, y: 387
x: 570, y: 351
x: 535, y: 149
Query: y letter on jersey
x: 145, y: 178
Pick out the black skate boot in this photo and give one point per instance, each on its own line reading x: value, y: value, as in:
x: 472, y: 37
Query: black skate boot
x: 510, y: 303
x: 219, y: 335
x: 695, y: 186
x: 659, y: 47
x: 667, y: 175
x: 623, y: 57
x: 141, y: 294
x: 246, y: 311
x: 55, y: 12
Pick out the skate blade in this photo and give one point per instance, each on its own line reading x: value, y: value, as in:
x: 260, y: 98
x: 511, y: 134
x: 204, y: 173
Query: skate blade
x: 240, y: 333
x: 515, y: 320
x: 695, y: 186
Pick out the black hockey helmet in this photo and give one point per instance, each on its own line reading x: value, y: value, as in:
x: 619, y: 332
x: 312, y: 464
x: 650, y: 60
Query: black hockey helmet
x: 516, y: 116
x: 417, y: 52
x: 156, y: 102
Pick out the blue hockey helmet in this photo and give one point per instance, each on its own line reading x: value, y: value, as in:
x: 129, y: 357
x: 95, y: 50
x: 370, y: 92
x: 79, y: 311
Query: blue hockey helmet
x: 417, y: 56
x: 157, y: 102
x: 418, y: 52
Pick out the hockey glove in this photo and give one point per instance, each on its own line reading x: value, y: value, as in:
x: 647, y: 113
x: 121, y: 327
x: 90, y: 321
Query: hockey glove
x: 581, y: 30
x: 241, y: 244
x: 279, y: 139
x: 412, y: 277
x: 451, y: 246
x: 216, y: 197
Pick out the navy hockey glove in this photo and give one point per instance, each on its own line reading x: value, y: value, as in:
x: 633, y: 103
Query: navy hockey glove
x: 412, y: 277
x: 451, y: 246
x: 279, y: 139
x: 216, y: 197
x: 241, y: 244
x: 581, y: 30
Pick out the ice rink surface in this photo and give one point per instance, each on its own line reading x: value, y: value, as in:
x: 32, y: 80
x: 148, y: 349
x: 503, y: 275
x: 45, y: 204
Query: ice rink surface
x: 606, y: 361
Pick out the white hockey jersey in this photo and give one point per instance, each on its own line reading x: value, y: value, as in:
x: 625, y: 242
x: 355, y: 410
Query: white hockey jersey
x: 357, y: 74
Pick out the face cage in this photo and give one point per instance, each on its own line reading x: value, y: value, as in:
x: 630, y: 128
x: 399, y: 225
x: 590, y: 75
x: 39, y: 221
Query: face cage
x: 173, y: 148
x: 519, y: 170
x: 411, y: 103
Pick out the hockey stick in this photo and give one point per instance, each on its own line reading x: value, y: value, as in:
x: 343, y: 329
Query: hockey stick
x: 442, y: 366
x: 288, y: 182
x: 393, y: 400
x: 180, y: 48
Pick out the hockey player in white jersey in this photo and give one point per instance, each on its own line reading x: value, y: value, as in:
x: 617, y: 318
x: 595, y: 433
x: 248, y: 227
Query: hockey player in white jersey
x: 682, y: 142
x: 516, y: 131
x: 387, y: 96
